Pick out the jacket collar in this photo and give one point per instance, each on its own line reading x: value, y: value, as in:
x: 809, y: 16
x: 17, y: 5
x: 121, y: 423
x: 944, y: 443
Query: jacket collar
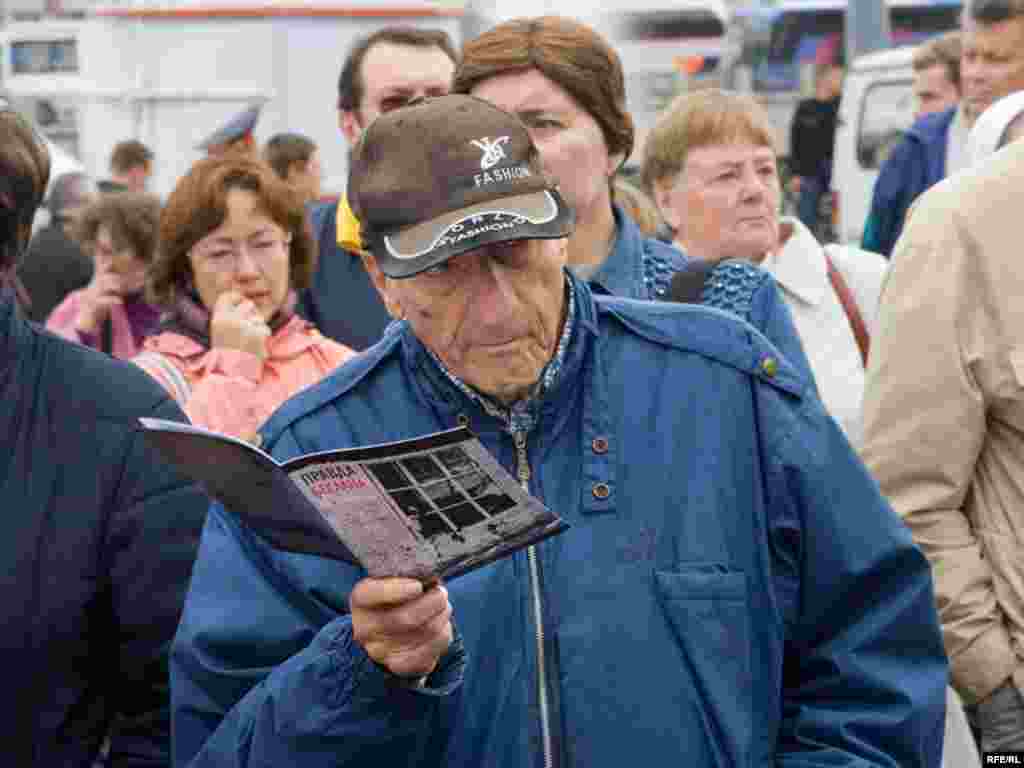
x: 799, y: 266
x: 622, y: 273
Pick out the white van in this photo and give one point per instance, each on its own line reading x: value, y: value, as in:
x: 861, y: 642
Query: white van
x: 876, y: 108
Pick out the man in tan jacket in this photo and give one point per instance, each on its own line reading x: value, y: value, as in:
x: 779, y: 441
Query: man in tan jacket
x: 944, y: 424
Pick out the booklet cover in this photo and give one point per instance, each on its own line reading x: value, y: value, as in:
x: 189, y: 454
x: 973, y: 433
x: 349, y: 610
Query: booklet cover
x: 429, y: 508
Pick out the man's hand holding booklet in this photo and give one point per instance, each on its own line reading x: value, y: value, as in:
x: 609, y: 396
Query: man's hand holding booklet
x: 432, y: 507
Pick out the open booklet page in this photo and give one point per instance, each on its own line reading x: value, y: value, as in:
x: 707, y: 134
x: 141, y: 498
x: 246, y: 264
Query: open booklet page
x: 431, y: 507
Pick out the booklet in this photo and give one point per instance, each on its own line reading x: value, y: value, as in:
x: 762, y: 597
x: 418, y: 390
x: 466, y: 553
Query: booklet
x: 433, y: 507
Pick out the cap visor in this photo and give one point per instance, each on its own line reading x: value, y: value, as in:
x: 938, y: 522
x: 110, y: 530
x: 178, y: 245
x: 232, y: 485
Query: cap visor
x: 542, y: 215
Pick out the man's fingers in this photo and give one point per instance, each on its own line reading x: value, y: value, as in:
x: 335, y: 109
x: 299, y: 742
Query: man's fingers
x: 406, y: 618
x: 414, y: 653
x: 374, y: 593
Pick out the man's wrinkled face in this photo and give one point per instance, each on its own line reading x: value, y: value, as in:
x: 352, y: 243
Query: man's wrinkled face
x: 725, y: 202
x: 992, y: 63
x: 392, y: 76
x: 933, y: 90
x: 492, y: 315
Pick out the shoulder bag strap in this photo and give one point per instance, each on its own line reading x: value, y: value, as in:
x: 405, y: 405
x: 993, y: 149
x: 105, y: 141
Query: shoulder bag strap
x: 853, y: 315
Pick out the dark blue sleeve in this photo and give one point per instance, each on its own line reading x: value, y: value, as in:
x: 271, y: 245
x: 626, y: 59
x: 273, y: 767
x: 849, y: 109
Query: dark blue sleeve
x: 865, y: 672
x: 891, y: 198
x: 150, y: 546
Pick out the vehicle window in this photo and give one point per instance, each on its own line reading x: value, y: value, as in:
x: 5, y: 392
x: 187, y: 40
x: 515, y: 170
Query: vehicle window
x: 885, y: 113
x: 34, y: 57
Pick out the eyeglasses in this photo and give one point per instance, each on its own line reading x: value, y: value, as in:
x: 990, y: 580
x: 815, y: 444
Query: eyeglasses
x: 224, y: 257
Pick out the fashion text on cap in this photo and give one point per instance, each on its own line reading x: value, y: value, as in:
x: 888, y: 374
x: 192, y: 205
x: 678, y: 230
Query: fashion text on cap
x: 447, y: 175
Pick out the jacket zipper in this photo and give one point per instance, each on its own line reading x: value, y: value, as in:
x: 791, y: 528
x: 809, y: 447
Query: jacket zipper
x: 523, y: 474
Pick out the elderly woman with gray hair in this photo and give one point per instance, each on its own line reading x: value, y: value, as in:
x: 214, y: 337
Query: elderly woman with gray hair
x: 712, y: 167
x: 98, y: 535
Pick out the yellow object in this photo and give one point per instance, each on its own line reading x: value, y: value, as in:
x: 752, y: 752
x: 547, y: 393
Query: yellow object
x: 770, y: 366
x: 348, y: 228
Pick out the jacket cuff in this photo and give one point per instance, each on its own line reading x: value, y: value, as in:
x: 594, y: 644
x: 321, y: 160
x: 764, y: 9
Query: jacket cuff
x: 363, y: 679
x: 984, y: 665
x: 235, y: 362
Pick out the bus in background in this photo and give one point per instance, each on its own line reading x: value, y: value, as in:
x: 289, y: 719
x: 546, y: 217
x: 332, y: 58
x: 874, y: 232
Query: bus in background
x: 666, y: 48
x: 777, y: 46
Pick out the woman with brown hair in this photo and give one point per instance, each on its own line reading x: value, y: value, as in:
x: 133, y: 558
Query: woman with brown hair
x: 234, y: 251
x: 119, y: 231
x: 566, y: 83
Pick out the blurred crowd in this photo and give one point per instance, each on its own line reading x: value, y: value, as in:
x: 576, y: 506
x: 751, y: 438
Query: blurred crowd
x: 818, y: 447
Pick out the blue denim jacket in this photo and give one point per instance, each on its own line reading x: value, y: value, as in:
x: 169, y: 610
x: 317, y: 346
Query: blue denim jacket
x: 733, y: 591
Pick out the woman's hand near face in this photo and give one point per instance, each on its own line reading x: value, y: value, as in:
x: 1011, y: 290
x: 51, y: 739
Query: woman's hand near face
x: 236, y: 323
x: 103, y: 292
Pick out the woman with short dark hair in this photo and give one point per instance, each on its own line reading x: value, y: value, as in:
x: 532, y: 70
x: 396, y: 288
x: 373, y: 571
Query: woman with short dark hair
x: 234, y: 250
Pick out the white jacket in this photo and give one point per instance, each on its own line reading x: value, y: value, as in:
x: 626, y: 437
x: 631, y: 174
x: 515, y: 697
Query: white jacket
x: 801, y: 271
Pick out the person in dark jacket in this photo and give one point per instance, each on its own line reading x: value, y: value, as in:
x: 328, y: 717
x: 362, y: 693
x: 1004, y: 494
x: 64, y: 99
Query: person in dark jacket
x: 382, y: 71
x: 98, y: 535
x: 811, y: 139
x: 54, y: 265
x: 915, y: 164
x: 991, y: 67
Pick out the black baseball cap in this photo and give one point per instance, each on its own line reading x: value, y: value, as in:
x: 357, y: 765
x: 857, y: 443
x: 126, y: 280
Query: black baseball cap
x: 445, y: 175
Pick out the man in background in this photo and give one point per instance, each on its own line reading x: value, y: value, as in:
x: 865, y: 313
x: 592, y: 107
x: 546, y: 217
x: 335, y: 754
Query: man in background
x: 936, y: 66
x: 131, y: 166
x: 382, y: 72
x: 991, y: 66
x: 296, y: 161
x: 812, y: 137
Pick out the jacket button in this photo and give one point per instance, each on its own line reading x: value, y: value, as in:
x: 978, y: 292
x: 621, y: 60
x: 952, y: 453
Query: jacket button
x: 770, y: 366
x: 463, y: 420
x: 600, y: 445
x: 601, y: 491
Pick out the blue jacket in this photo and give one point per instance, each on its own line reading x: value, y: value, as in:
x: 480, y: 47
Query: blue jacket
x: 741, y: 596
x: 98, y: 539
x: 916, y: 163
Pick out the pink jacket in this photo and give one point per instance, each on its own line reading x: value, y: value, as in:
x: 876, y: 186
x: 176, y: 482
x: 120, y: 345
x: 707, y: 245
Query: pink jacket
x: 231, y: 391
x: 62, y: 322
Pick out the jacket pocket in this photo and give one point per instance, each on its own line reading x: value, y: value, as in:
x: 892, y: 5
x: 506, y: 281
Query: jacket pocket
x: 707, y: 608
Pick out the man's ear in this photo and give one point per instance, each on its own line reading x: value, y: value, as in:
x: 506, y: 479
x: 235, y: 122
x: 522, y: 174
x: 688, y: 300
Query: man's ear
x: 380, y: 282
x: 348, y: 121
